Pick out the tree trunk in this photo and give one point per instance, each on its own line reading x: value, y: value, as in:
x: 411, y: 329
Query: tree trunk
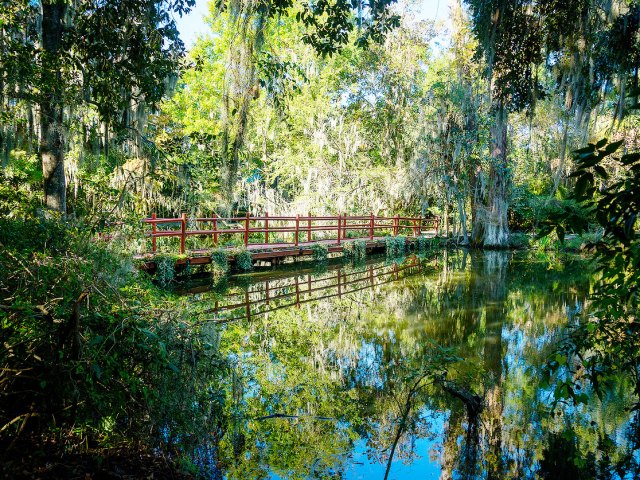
x: 463, y: 218
x: 563, y: 155
x: 51, y: 107
x: 491, y: 222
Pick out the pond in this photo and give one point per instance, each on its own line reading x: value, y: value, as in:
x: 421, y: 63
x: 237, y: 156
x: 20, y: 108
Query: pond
x: 420, y: 368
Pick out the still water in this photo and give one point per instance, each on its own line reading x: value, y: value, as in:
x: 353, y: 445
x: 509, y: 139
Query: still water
x: 423, y: 368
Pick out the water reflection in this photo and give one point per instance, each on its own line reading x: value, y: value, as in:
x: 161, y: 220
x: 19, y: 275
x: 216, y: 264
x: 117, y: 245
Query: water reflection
x: 292, y: 289
x: 430, y: 368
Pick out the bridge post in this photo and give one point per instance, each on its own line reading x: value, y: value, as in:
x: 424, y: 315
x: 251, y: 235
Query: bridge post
x: 183, y: 232
x: 266, y: 227
x: 396, y: 225
x: 339, y: 226
x: 308, y: 227
x: 153, y: 233
x: 215, y: 230
x: 297, y: 229
x: 371, y: 222
x: 415, y: 228
x: 246, y: 231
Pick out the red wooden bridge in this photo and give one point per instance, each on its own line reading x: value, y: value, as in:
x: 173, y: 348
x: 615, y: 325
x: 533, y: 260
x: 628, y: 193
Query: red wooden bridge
x: 268, y: 237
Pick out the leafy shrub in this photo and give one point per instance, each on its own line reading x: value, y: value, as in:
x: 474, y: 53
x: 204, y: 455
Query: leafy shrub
x: 165, y: 269
x: 396, y: 246
x: 421, y: 243
x: 219, y: 261
x: 355, y: 250
x: 529, y: 211
x: 320, y: 252
x: 80, y: 328
x: 244, y: 260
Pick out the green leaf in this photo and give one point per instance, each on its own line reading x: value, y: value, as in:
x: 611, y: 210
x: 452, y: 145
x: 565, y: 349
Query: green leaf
x: 612, y: 147
x: 630, y: 158
x: 602, y: 173
x: 584, y: 182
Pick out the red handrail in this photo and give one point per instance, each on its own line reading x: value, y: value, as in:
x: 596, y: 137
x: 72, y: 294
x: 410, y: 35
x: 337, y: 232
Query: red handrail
x: 367, y: 226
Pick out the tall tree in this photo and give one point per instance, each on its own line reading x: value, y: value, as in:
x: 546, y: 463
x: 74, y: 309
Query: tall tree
x: 508, y: 38
x: 52, y: 105
x: 328, y: 27
x: 105, y: 54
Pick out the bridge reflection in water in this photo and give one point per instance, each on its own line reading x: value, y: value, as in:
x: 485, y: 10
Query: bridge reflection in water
x: 288, y: 289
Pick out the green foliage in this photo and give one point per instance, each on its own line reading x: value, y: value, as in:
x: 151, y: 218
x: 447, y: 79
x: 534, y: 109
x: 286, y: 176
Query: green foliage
x: 80, y: 328
x: 425, y: 244
x: 320, y: 252
x: 165, y: 269
x: 609, y: 334
x: 519, y: 241
x: 219, y: 261
x: 529, y: 212
x: 395, y: 246
x: 355, y: 250
x: 20, y: 193
x: 244, y: 260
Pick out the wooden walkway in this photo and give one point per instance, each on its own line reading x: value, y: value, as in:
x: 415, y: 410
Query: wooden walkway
x: 275, y: 237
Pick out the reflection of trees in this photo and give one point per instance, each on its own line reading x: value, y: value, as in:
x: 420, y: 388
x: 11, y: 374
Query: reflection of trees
x: 495, y: 293
x: 318, y: 378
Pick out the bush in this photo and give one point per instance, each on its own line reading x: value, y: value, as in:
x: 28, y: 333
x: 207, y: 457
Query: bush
x: 355, y: 250
x: 320, y: 252
x: 244, y: 260
x: 529, y: 211
x: 165, y: 269
x: 219, y: 261
x: 424, y: 244
x: 96, y: 353
x: 396, y: 246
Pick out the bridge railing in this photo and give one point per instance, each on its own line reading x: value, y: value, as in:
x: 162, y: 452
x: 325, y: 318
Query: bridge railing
x: 304, y: 229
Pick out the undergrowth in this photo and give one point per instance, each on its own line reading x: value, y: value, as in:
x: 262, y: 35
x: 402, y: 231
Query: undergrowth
x: 355, y: 250
x: 396, y: 246
x: 320, y: 252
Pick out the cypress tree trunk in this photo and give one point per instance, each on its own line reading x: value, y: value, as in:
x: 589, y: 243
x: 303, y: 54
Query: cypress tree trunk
x: 496, y: 230
x: 491, y: 228
x: 51, y: 107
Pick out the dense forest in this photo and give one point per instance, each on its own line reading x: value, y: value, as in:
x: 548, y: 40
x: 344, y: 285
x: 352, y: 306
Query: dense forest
x: 514, y: 122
